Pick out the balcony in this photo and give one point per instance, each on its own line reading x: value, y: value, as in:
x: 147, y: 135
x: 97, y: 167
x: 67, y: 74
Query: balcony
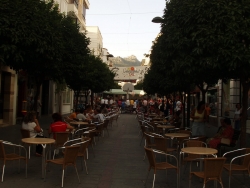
x: 72, y: 8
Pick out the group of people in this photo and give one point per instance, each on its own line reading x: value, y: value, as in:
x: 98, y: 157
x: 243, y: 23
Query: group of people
x: 225, y: 132
x: 31, y: 123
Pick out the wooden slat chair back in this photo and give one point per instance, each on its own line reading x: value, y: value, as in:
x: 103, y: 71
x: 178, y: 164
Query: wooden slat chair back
x: 60, y: 139
x: 212, y: 170
x: 162, y: 144
x: 244, y: 166
x: 159, y: 165
x: 83, y: 150
x: 12, y: 156
x: 25, y: 133
x: 105, y: 125
x: 69, y: 159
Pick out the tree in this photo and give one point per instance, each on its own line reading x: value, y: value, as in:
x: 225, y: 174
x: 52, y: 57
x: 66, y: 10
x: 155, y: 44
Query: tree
x: 139, y: 85
x: 32, y: 40
x: 39, y: 40
x: 209, y: 40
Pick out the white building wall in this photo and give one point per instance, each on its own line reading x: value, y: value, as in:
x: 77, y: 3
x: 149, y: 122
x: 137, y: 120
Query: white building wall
x: 95, y: 36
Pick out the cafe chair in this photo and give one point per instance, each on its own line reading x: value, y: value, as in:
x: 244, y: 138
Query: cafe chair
x: 192, y: 157
x: 26, y: 134
x: 212, y: 170
x: 12, y: 156
x: 99, y: 130
x: 105, y: 126
x: 83, y: 151
x: 79, y: 132
x: 161, y: 165
x: 60, y: 139
x: 243, y: 167
x: 162, y: 144
x: 69, y: 159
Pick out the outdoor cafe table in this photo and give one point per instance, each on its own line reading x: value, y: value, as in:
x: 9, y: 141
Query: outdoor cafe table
x: 43, y: 142
x: 164, y: 127
x: 78, y: 123
x: 176, y: 135
x: 197, y: 151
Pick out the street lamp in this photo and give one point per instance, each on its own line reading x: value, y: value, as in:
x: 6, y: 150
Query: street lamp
x: 157, y: 19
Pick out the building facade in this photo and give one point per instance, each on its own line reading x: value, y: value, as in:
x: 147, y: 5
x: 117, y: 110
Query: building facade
x: 96, y: 43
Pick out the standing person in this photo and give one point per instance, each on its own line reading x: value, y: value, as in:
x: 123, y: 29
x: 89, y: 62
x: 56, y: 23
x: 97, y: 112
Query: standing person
x: 38, y: 107
x: 123, y: 106
x: 200, y: 117
x: 145, y: 105
x: 208, y: 111
x: 111, y: 101
x: 134, y: 106
x: 31, y: 124
x: 237, y: 116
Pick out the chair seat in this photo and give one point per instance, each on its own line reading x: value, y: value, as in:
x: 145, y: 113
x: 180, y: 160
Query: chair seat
x: 199, y: 174
x: 235, y: 167
x: 56, y: 161
x: 13, y: 156
x: 164, y: 166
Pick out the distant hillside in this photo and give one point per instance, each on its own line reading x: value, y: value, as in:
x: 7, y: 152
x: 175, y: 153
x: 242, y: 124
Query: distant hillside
x: 124, y: 62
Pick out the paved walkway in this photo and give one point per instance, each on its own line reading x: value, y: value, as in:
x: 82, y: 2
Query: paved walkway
x: 118, y: 163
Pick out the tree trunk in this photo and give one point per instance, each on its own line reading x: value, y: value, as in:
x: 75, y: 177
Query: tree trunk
x: 203, y: 91
x: 188, y: 109
x: 86, y: 97
x: 37, y: 93
x: 76, y: 99
x: 92, y: 98
x: 203, y: 94
x: 184, y: 110
x: 245, y: 86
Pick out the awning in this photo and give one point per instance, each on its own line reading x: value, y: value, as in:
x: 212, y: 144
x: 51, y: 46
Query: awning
x: 121, y: 92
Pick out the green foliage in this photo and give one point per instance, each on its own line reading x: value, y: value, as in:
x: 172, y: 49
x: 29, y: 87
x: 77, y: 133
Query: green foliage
x: 139, y: 85
x: 201, y: 42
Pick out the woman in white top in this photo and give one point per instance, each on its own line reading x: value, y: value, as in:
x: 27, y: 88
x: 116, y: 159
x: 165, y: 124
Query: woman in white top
x: 31, y: 123
x: 237, y: 116
x: 200, y: 117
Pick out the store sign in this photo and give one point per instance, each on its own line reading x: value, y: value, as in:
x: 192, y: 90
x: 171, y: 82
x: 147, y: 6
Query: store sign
x: 129, y: 73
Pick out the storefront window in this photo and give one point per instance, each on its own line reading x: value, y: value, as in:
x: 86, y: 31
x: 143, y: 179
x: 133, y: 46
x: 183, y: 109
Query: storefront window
x: 225, y: 99
x: 212, y: 100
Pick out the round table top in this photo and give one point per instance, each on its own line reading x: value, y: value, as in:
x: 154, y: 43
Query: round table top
x: 38, y: 140
x: 199, y: 150
x: 177, y: 135
x: 166, y: 126
x: 79, y: 123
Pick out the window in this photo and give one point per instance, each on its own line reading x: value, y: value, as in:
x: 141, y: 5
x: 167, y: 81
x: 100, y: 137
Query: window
x: 225, y: 99
x: 66, y: 96
x: 212, y: 100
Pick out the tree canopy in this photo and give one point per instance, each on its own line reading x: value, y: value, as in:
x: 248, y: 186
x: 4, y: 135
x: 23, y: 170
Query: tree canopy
x: 203, y: 41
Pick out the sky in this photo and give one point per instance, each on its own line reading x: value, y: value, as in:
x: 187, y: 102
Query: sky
x: 126, y: 25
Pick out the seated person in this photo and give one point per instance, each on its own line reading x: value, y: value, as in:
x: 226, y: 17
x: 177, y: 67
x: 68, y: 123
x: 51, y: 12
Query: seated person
x: 81, y: 116
x: 99, y: 116
x: 89, y: 112
x: 74, y: 114
x: 31, y: 123
x: 225, y: 131
x: 58, y: 125
x: 104, y: 109
x: 177, y: 118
